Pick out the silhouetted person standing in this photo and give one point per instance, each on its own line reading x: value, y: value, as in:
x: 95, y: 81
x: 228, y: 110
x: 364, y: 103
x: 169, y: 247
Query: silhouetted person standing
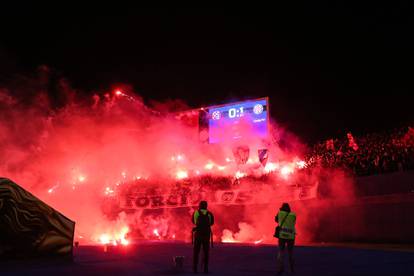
x: 203, y: 220
x: 286, y: 234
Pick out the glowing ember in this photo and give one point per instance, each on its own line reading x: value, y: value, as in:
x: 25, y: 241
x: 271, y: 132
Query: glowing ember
x: 122, y: 234
x: 240, y: 174
x: 81, y: 178
x: 51, y: 190
x: 271, y: 167
x: 286, y: 171
x: 209, y: 166
x: 118, y: 92
x: 221, y: 168
x: 108, y: 191
x: 156, y: 233
x: 124, y: 241
x: 228, y: 159
x: 179, y: 157
x: 104, y: 239
x: 301, y: 164
x: 258, y: 241
x: 181, y: 175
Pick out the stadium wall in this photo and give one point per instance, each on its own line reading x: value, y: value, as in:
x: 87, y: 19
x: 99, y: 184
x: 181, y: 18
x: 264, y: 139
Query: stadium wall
x: 382, y: 212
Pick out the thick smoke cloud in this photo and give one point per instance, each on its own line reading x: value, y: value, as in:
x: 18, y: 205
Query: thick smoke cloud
x: 73, y: 152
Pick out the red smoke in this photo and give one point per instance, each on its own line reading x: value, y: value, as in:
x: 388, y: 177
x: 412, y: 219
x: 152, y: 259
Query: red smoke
x: 77, y: 156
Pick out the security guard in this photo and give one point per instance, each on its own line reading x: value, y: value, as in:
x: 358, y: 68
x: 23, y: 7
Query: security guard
x: 203, y: 220
x: 286, y: 235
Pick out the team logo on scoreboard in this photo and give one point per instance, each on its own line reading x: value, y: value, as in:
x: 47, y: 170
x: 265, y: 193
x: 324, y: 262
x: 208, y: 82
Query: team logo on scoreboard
x: 216, y: 115
x: 222, y: 121
x: 258, y: 109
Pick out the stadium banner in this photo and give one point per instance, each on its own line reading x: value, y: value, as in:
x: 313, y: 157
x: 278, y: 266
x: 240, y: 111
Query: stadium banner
x: 223, y: 197
x: 220, y: 197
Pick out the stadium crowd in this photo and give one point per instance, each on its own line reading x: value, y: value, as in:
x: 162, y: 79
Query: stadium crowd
x: 367, y: 155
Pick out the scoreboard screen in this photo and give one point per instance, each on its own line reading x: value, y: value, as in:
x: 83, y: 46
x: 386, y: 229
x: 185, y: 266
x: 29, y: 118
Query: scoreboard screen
x: 238, y: 120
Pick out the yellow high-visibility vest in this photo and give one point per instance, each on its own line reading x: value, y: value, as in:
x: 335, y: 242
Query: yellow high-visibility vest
x: 197, y: 214
x: 287, y: 229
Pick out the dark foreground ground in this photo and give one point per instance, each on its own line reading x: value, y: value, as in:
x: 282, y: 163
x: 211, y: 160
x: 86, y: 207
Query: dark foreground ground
x: 155, y: 258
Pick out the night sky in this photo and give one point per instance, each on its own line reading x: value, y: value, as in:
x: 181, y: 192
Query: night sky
x: 326, y: 69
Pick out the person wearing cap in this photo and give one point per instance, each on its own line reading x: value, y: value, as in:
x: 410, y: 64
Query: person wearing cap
x: 285, y: 232
x: 203, y: 220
